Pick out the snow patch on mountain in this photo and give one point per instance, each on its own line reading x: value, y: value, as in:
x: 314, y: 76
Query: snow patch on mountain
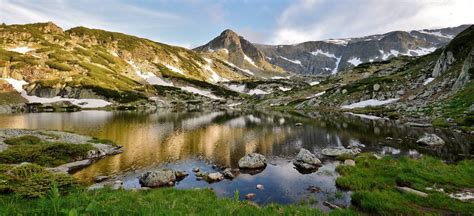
x: 318, y: 51
x: 342, y: 42
x: 284, y: 88
x: 149, y: 77
x: 241, y: 69
x: 428, y: 81
x: 237, y: 88
x: 200, y: 92
x: 257, y: 92
x: 249, y: 60
x: 355, y: 61
x: 292, y: 61
x: 371, y: 102
x: 174, y: 69
x: 83, y: 103
x: 22, y: 50
x: 437, y: 33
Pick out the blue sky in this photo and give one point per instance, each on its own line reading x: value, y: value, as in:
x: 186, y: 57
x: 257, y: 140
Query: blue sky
x: 190, y: 23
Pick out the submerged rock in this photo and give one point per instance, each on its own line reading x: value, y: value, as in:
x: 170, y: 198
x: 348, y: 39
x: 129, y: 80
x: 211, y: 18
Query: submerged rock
x: 306, y: 160
x: 250, y: 196
x: 159, y: 178
x: 334, y: 152
x: 253, y: 161
x: 430, y: 140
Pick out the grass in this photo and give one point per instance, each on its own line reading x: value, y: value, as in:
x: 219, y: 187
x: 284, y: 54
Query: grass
x: 373, y: 182
x: 154, y: 202
x: 30, y: 149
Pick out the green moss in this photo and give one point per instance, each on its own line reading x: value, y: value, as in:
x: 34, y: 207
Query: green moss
x: 23, y: 140
x: 31, y: 180
x: 44, y: 153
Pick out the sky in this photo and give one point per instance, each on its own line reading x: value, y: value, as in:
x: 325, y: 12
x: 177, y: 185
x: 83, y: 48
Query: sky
x: 190, y: 23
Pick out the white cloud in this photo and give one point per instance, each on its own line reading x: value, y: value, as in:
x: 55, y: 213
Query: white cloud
x: 307, y: 20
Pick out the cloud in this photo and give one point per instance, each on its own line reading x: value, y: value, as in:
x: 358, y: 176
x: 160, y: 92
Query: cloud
x: 307, y: 20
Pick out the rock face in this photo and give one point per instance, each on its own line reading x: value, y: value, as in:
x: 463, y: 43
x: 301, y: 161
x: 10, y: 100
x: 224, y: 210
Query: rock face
x: 238, y: 51
x: 253, y: 161
x: 465, y: 76
x: 334, y: 152
x: 306, y: 160
x: 160, y: 178
x: 430, y: 140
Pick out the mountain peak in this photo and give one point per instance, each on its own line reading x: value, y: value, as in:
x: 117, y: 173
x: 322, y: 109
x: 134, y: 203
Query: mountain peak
x: 228, y: 32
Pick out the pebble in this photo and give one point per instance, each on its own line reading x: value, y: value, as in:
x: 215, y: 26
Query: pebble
x: 196, y: 169
x: 260, y: 187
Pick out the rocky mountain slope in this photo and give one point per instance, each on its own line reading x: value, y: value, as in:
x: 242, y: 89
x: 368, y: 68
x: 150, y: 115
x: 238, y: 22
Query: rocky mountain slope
x: 236, y: 51
x: 435, y: 86
x: 331, y: 56
x: 47, y: 64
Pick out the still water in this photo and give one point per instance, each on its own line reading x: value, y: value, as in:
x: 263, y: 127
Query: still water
x: 219, y: 139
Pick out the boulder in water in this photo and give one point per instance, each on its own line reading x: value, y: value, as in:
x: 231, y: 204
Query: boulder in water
x: 253, y: 161
x: 306, y: 160
x: 159, y: 178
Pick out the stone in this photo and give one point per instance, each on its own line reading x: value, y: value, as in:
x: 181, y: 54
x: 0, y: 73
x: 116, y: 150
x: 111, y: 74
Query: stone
x: 253, y: 161
x: 228, y: 173
x: 334, y: 152
x: 299, y: 124
x: 69, y: 167
x: 306, y: 160
x: 260, y: 187
x: 411, y: 191
x: 196, y: 169
x: 430, y: 140
x: 349, y: 162
x: 250, y: 196
x: 376, y: 87
x: 344, y: 91
x: 180, y: 174
x: 98, y: 179
x: 214, y: 177
x: 157, y: 178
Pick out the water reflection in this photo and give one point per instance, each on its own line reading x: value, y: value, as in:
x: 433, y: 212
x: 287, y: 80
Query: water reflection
x: 178, y: 139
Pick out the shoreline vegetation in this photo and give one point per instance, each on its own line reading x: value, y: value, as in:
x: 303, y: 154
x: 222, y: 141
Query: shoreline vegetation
x: 380, y: 186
